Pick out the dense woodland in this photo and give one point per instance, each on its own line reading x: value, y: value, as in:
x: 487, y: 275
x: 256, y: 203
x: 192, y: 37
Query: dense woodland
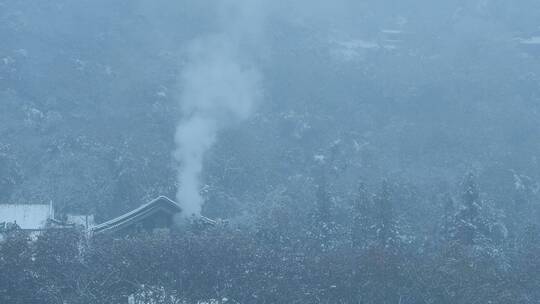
x: 393, y: 158
x: 359, y: 253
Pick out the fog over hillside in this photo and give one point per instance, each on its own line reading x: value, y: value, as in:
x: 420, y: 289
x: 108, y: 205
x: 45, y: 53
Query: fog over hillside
x: 416, y: 92
x: 105, y: 105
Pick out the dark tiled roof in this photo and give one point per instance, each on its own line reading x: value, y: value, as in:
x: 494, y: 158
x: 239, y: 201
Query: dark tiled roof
x: 161, y: 203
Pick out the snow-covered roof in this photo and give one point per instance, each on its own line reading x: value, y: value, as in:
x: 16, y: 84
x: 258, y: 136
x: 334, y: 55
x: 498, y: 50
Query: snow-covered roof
x: 161, y: 203
x: 28, y: 217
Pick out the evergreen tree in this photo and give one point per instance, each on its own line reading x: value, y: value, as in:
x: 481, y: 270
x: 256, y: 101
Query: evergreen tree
x: 527, y: 262
x: 361, y: 221
x: 385, y: 223
x: 446, y: 228
x: 381, y: 260
x: 323, y: 217
x: 469, y: 225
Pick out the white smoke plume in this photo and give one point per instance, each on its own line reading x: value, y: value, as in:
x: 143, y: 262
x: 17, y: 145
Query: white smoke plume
x: 219, y: 87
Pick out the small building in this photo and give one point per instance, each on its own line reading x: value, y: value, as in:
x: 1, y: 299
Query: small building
x: 84, y: 221
x: 36, y: 218
x: 26, y: 217
x: 32, y: 218
x: 158, y: 215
